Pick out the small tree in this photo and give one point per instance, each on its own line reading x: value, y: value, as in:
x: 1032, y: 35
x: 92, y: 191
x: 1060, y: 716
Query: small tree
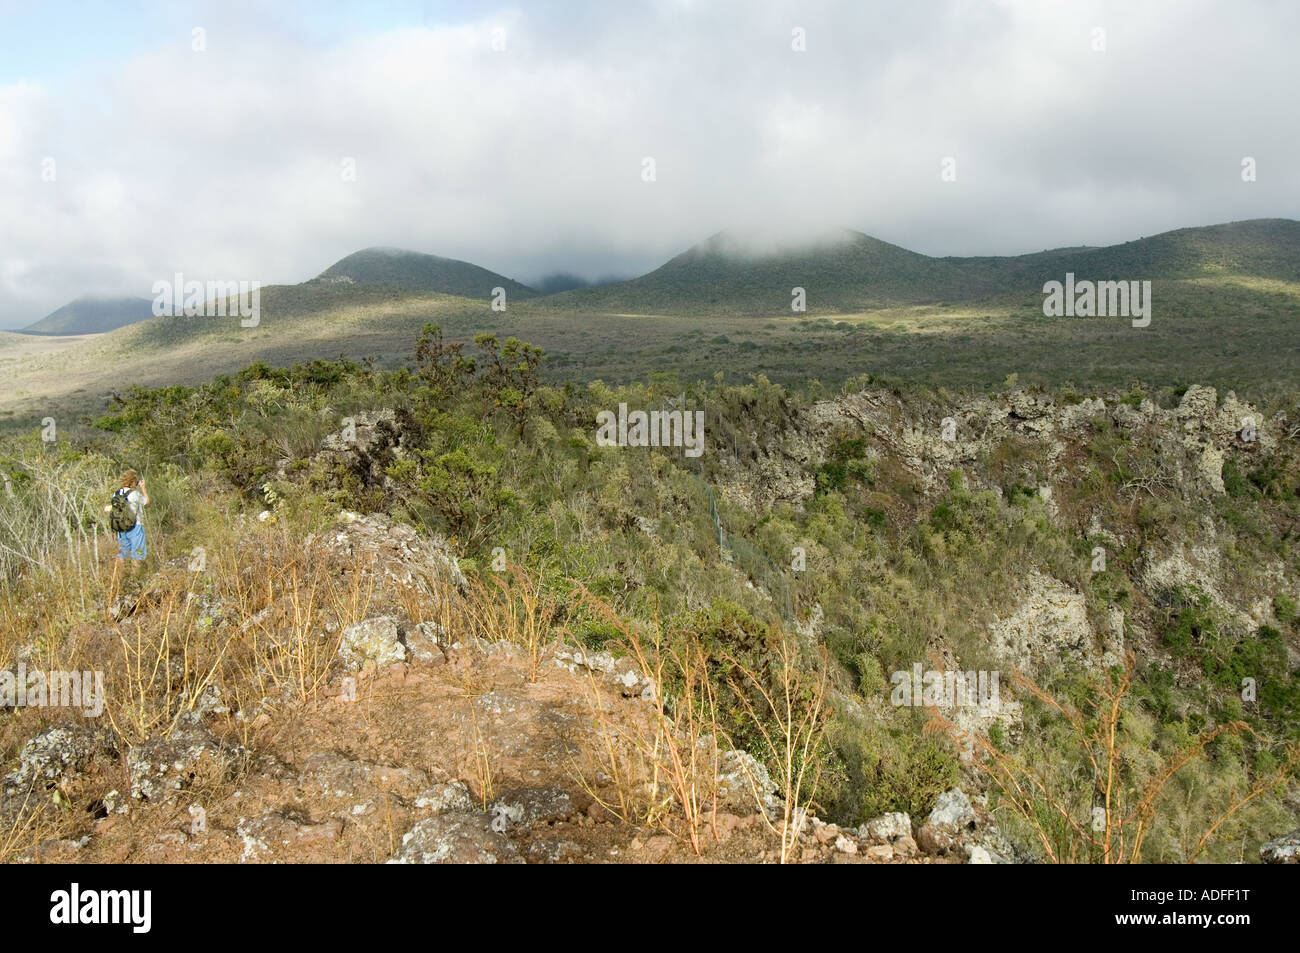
x: 511, y: 374
x: 443, y: 367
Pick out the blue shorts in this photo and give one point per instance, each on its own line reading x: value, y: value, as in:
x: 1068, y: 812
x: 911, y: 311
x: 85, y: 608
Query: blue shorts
x: 130, y: 545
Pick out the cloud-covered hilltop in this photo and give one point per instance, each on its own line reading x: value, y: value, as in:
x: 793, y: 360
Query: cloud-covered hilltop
x: 412, y: 130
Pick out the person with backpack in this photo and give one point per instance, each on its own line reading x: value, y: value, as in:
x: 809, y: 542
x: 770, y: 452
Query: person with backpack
x: 125, y: 511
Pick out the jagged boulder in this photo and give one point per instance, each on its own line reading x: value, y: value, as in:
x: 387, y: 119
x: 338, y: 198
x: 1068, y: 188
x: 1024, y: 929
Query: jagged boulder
x: 54, y: 754
x: 426, y: 642
x: 957, y: 827
x: 374, y: 642
x: 161, y: 767
x: 367, y: 444
x: 396, y: 551
x: 887, y: 828
x: 456, y: 838
x: 1282, y: 850
x: 952, y: 819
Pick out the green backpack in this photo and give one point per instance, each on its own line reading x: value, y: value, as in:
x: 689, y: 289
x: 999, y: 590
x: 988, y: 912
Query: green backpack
x: 121, y: 519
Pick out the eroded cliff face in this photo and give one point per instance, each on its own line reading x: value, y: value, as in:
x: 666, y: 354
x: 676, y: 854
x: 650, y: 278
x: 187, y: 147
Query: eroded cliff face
x: 1153, y: 454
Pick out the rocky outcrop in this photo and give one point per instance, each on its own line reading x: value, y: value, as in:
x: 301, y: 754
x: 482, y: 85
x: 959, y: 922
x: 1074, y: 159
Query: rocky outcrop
x: 371, y: 642
x: 777, y: 471
x: 367, y: 444
x: 956, y: 827
x: 399, y: 552
x: 456, y: 838
x: 1051, y: 625
x: 161, y: 767
x: 1194, y: 438
x: 1282, y: 850
x: 744, y: 784
x: 54, y: 754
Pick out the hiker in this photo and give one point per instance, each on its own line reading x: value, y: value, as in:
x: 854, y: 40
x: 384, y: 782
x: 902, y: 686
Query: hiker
x: 125, y: 511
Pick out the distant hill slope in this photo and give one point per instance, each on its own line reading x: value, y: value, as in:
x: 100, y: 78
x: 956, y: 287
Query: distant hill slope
x: 748, y: 272
x: 92, y: 315
x: 1258, y: 248
x: 403, y: 270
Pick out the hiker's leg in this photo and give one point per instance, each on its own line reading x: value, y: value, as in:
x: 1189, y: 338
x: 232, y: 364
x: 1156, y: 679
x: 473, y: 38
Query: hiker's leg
x: 141, y: 550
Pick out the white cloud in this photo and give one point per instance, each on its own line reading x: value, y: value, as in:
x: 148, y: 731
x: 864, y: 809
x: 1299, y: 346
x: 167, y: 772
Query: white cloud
x: 226, y: 164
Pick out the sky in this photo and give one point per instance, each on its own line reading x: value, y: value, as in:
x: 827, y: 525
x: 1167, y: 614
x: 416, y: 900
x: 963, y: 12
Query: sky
x: 254, y: 141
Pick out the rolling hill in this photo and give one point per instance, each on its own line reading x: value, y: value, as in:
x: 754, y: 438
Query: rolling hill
x: 92, y: 315
x: 1227, y: 313
x: 743, y: 272
x: 402, y: 270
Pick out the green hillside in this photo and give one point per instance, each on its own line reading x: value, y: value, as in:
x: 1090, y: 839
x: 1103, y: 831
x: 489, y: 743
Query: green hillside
x: 846, y: 271
x: 403, y: 270
x: 1228, y: 315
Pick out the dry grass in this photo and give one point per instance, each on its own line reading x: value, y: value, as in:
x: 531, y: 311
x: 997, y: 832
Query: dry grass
x: 260, y: 623
x: 1125, y: 806
x: 793, y: 722
x: 281, y: 609
x: 512, y: 609
x: 479, y: 758
x: 661, y: 770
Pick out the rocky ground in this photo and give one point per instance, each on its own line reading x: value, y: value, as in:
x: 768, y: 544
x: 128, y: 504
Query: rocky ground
x: 419, y: 749
x: 459, y: 757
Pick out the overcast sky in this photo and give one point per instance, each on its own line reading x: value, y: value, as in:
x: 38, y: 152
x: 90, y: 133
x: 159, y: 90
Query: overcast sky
x: 229, y: 162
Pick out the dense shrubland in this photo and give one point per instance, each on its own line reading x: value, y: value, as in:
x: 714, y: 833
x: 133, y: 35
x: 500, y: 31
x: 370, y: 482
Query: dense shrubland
x: 478, y: 449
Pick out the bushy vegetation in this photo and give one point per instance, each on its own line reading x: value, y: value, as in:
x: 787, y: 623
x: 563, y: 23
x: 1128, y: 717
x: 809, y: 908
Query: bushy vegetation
x: 471, y: 442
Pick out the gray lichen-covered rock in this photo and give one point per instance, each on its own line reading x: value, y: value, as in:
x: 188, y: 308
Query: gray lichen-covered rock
x: 1051, y: 623
x: 956, y: 827
x: 268, y: 836
x: 160, y: 767
x: 373, y: 641
x: 886, y: 829
x: 426, y: 641
x: 56, y: 753
x: 398, y: 552
x: 451, y: 797
x: 528, y: 806
x: 744, y: 784
x: 335, y: 775
x: 623, y: 672
x: 602, y: 662
x: 1282, y: 850
x: 952, y: 818
x: 456, y: 838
